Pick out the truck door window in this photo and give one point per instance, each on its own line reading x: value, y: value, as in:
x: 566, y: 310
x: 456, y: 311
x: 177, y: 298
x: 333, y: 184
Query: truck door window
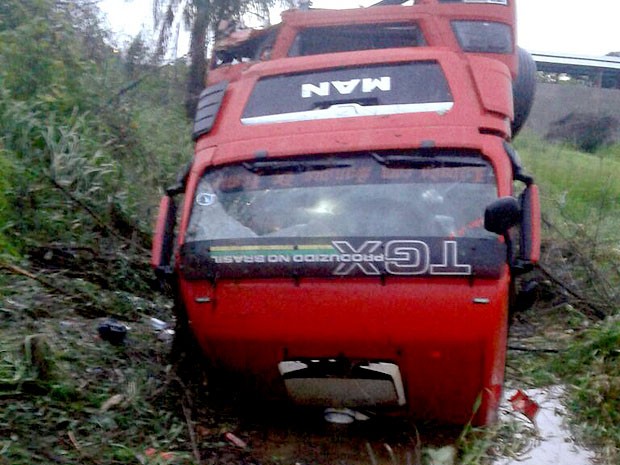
x: 403, y: 193
x: 349, y: 38
x: 252, y: 45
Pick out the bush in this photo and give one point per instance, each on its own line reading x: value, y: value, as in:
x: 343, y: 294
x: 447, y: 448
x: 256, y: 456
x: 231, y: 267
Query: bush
x: 89, y: 144
x: 586, y: 131
x: 5, y: 210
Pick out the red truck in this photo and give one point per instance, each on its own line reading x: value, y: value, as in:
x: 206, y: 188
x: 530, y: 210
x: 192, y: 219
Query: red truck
x: 351, y: 234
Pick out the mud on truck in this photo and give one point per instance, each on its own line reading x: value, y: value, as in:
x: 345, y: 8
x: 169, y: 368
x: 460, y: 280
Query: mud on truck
x: 355, y: 215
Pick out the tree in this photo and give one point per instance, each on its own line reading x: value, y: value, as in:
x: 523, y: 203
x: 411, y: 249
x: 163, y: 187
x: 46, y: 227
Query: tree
x: 201, y: 18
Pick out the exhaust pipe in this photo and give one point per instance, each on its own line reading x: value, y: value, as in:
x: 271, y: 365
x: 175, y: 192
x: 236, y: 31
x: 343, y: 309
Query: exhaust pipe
x: 343, y: 416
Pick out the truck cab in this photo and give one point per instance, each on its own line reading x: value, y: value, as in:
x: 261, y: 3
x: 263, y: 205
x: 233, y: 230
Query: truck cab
x: 351, y: 232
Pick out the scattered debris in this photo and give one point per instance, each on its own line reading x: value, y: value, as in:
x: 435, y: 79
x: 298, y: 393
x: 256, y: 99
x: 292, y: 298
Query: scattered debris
x: 339, y: 416
x: 112, y: 331
x: 167, y: 335
x: 111, y: 402
x: 157, y: 324
x: 163, y: 330
x: 442, y: 456
x: 524, y: 404
x: 555, y: 444
x: 164, y: 456
x: 236, y: 441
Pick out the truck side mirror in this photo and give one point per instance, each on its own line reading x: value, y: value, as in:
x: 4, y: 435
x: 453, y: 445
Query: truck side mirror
x: 163, y: 239
x: 501, y: 215
x: 530, y: 225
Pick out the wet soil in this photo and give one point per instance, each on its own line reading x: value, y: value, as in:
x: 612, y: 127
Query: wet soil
x: 285, y: 434
x: 289, y: 435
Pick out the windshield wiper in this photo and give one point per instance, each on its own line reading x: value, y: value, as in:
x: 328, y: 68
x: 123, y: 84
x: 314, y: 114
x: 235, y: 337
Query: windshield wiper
x: 426, y: 161
x: 292, y: 166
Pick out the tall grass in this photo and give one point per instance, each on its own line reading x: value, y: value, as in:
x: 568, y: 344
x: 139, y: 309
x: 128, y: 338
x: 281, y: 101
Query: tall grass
x: 5, y: 222
x: 581, y: 187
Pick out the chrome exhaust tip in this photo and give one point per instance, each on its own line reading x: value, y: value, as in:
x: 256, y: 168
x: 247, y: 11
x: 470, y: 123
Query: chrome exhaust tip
x: 339, y: 416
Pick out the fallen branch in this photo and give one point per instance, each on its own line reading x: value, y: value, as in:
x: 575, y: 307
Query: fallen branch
x: 192, y: 432
x: 417, y: 449
x: 371, y: 454
x: 95, y: 216
x: 595, y: 310
x: 534, y: 349
x: 21, y: 272
x: 598, y: 281
x: 390, y: 452
x: 185, y: 401
x: 77, y: 295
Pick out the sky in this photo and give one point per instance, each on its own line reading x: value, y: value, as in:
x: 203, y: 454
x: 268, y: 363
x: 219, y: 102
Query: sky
x: 577, y: 27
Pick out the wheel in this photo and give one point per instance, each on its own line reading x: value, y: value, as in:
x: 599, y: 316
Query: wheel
x: 523, y: 90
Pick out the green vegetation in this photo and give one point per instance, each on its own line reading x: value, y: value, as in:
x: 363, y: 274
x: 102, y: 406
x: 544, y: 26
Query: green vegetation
x: 581, y: 211
x: 67, y: 396
x: 202, y: 18
x: 5, y: 209
x: 581, y: 205
x: 574, y: 181
x: 88, y: 137
x: 591, y: 366
x: 587, y: 364
x: 89, y: 140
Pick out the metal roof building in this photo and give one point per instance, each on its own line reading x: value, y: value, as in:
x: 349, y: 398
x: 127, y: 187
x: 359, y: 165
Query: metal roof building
x: 601, y: 71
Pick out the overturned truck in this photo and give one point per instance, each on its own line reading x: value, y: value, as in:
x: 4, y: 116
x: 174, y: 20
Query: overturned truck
x: 351, y: 234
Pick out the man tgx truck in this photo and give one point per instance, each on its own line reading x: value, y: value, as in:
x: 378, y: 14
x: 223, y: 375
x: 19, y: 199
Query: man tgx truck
x: 354, y: 216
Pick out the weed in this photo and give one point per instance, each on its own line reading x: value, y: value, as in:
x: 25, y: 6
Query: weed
x: 67, y: 395
x: 509, y: 437
x: 591, y: 366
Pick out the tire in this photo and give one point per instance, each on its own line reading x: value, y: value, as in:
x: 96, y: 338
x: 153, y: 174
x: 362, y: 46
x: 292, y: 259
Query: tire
x: 523, y: 90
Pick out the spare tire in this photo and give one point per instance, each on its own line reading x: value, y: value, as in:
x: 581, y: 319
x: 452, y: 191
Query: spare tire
x: 523, y: 89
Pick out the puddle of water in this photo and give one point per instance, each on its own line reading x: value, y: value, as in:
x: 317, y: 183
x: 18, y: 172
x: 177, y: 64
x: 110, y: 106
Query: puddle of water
x: 553, y: 442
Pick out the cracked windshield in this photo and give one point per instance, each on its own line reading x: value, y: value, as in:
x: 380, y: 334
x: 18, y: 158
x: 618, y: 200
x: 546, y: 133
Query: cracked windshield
x: 372, y: 195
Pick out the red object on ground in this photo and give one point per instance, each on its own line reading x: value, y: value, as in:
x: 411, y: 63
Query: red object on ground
x: 234, y: 440
x: 522, y: 403
x: 166, y: 456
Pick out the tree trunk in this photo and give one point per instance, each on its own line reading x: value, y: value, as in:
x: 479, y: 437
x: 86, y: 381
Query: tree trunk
x: 198, y: 62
